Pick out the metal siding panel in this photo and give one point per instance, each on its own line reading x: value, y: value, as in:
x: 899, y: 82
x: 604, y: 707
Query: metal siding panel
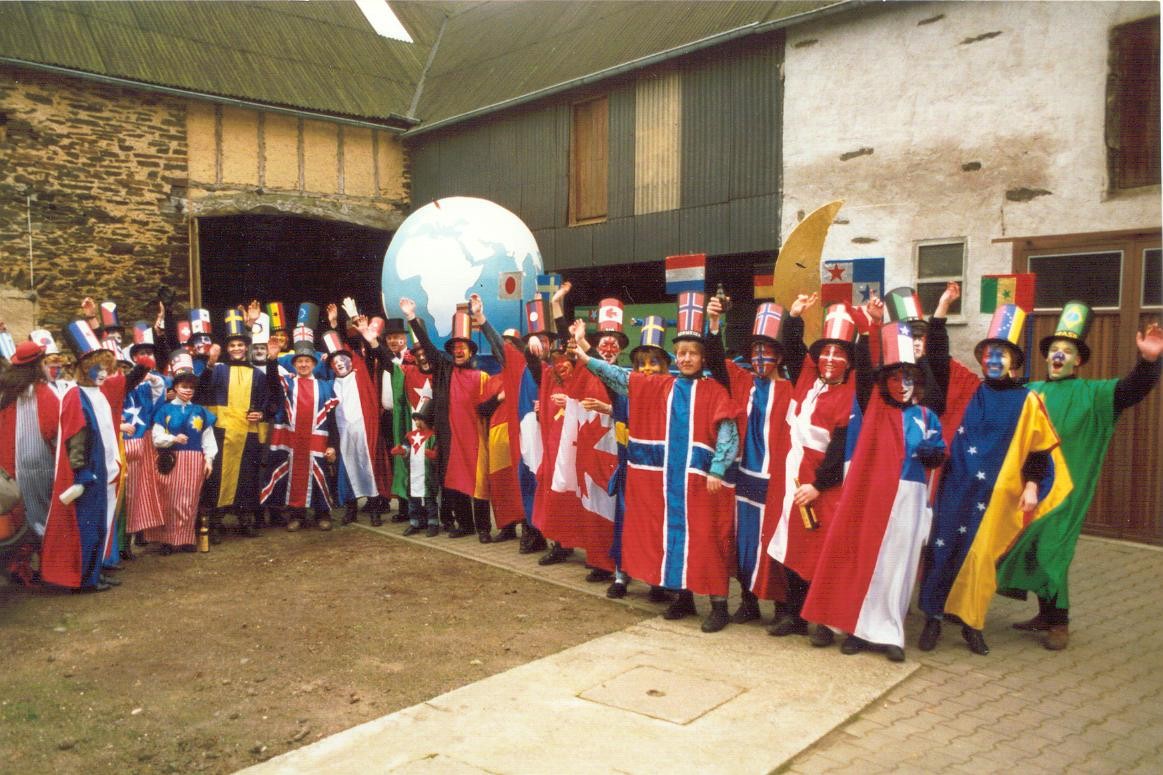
x: 575, y: 247
x: 757, y: 126
x: 535, y: 167
x: 424, y: 171
x: 707, y: 135
x: 614, y: 245
x: 621, y: 177
x: 754, y: 224
x: 547, y: 244
x: 656, y: 236
x: 705, y: 229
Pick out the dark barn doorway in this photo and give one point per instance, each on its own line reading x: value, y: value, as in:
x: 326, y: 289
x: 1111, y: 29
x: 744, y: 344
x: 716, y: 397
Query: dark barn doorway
x: 289, y: 259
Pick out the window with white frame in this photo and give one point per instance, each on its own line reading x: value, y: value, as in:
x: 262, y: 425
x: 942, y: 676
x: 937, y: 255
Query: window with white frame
x: 1153, y: 277
x: 938, y: 263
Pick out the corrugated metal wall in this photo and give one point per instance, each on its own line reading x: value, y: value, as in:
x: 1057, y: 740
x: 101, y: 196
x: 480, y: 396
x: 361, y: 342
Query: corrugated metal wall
x: 710, y: 185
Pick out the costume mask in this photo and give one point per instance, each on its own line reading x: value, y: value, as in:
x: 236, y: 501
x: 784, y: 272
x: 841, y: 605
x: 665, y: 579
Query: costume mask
x: 258, y: 354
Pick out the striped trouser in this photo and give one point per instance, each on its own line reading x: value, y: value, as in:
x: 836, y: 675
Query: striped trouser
x: 180, y: 491
x: 143, y: 505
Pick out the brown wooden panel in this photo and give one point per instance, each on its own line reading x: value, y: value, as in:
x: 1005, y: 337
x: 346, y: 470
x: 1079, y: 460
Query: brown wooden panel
x: 590, y: 161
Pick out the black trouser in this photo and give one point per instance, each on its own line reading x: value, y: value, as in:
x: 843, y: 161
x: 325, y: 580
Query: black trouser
x: 797, y: 592
x: 1051, y: 613
x: 470, y: 514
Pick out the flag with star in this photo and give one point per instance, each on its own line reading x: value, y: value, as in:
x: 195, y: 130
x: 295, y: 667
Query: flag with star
x: 851, y: 281
x: 999, y: 289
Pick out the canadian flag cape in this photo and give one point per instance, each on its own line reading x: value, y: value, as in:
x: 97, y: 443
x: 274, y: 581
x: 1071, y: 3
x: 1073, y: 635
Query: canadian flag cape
x: 572, y: 505
x: 765, y: 445
x: 676, y: 534
x: 505, y: 441
x: 357, y: 418
x: 870, y: 557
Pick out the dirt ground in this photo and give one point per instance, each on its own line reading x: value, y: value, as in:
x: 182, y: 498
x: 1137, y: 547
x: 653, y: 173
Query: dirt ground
x: 211, y: 662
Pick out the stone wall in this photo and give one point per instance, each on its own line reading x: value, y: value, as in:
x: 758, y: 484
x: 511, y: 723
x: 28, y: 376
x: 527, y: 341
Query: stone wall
x: 101, y: 170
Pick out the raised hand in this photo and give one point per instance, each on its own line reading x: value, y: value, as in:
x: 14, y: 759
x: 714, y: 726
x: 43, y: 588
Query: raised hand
x: 332, y: 315
x: 561, y: 292
x: 476, y: 309
x: 408, y: 307
x: 1150, y: 342
x: 951, y: 294
x: 874, y: 308
x: 803, y: 302
x: 349, y: 307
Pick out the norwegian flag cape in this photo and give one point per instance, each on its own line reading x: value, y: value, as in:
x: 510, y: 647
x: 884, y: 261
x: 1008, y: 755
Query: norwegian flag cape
x: 869, y: 560
x: 357, y: 420
x: 572, y: 505
x: 303, y: 430
x: 676, y: 534
x: 765, y: 445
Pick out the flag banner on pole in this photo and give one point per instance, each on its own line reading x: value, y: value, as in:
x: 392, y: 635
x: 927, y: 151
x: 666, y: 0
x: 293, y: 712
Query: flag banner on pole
x: 999, y: 289
x: 509, y: 285
x: 851, y: 281
x: 547, y: 285
x: 686, y: 273
x: 763, y: 280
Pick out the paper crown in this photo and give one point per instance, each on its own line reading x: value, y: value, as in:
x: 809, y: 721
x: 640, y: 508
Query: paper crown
x: 181, y: 365
x: 260, y: 330
x: 461, y: 331
x: 108, y: 312
x: 652, y: 334
x: 535, y: 317
x: 304, y: 341
x: 768, y: 322
x: 308, y: 315
x: 690, y: 317
x: 896, y: 345
x: 44, y: 338
x: 1073, y: 326
x: 184, y: 331
x: 1005, y: 328
x: 142, y: 337
x: 277, y: 314
x: 200, y: 321
x: 81, y: 338
x: 839, y: 328
x: 903, y: 303
x: 236, y: 327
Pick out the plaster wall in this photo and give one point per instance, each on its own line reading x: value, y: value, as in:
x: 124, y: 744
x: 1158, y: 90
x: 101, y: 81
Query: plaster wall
x: 966, y: 120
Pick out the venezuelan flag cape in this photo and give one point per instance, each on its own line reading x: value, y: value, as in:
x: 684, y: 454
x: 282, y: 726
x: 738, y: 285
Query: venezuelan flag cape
x: 977, y: 515
x: 870, y: 558
x: 765, y: 445
x: 230, y: 391
x: 676, y: 534
x: 505, y: 441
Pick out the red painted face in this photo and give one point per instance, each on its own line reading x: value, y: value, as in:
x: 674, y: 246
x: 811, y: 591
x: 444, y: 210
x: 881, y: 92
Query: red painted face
x: 562, y: 366
x: 609, y: 348
x: 832, y: 363
x: 764, y: 359
x: 460, y: 353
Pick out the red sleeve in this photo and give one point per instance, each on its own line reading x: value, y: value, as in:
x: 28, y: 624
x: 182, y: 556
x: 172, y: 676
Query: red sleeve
x: 72, y: 416
x: 48, y: 411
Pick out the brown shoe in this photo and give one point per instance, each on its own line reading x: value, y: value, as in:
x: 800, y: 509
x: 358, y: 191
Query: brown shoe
x: 1037, y: 624
x: 294, y: 525
x: 1058, y: 637
x: 325, y: 524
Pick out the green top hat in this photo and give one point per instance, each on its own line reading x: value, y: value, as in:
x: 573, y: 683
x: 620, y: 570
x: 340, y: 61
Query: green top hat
x: 1073, y: 325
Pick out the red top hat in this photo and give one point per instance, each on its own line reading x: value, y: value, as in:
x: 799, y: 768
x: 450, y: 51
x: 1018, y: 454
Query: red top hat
x: 768, y: 323
x: 690, y: 317
x: 461, y: 331
x: 839, y: 328
x: 610, y: 316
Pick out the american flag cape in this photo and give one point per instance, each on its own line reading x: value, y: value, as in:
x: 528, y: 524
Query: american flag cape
x: 676, y: 534
x: 298, y: 443
x: 813, y: 415
x: 357, y: 420
x: 765, y: 445
x: 977, y: 518
x: 505, y: 441
x: 868, y: 564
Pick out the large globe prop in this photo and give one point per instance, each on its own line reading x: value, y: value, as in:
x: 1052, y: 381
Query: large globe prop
x: 453, y: 247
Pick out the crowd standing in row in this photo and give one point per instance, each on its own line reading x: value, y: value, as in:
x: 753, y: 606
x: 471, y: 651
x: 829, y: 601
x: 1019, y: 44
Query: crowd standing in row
x: 823, y: 476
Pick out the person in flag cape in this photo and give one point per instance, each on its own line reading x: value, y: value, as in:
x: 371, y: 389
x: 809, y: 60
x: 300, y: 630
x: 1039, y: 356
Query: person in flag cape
x: 89, y: 467
x: 419, y: 452
x: 183, y: 433
x: 395, y: 420
x: 536, y: 352
x: 683, y: 442
x: 304, y: 436
x: 504, y: 420
x: 235, y: 392
x: 868, y: 564
x: 763, y: 398
x: 1004, y: 471
x: 458, y: 389
x: 201, y: 339
x: 818, y: 416
x: 357, y: 422
x: 1084, y: 412
x: 142, y: 498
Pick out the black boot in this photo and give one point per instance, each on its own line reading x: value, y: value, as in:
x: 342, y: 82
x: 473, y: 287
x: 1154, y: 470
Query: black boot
x: 215, y: 527
x: 531, y: 540
x: 683, y: 606
x: 790, y: 624
x: 718, y: 618
x: 930, y: 635
x: 555, y: 555
x: 748, y: 610
x: 349, y: 513
x: 507, y: 533
x: 975, y: 640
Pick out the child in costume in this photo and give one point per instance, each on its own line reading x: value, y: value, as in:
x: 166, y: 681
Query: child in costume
x: 419, y: 453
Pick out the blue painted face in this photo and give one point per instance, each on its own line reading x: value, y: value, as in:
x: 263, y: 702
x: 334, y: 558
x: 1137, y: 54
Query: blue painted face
x: 996, y: 361
x: 96, y: 374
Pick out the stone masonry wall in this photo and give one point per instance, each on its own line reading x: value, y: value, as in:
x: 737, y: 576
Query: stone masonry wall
x: 105, y: 168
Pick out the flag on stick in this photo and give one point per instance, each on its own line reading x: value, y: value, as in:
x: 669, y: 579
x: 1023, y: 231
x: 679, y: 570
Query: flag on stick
x: 686, y: 273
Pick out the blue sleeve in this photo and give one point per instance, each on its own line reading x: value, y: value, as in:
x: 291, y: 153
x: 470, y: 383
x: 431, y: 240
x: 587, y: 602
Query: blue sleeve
x: 726, y: 448
x: 614, y: 377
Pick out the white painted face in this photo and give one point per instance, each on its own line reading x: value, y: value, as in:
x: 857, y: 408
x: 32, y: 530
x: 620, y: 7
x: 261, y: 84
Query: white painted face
x: 1062, y: 358
x: 341, y: 364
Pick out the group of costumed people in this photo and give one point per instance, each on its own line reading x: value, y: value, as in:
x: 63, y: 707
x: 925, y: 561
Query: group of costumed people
x: 825, y: 477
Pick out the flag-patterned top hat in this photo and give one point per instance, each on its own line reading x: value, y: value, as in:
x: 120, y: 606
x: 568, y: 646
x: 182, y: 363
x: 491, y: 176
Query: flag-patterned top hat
x: 768, y: 324
x: 81, y: 339
x: 304, y: 342
x: 199, y: 322
x: 308, y: 315
x: 461, y: 332
x: 278, y: 316
x: 260, y: 330
x: 839, y: 328
x: 109, y: 319
x: 335, y: 344
x: 896, y: 345
x: 44, y: 338
x: 1073, y: 325
x: 904, y: 304
x: 652, y: 334
x: 535, y: 318
x: 142, y: 337
x: 610, y: 316
x: 690, y: 317
x: 1005, y: 328
x: 184, y: 332
x: 181, y: 365
x: 236, y: 327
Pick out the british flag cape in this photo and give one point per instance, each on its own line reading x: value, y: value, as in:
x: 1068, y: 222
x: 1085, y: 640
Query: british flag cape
x: 357, y: 421
x: 505, y: 441
x: 676, y: 534
x: 572, y: 505
x: 816, y: 410
x: 303, y: 429
x: 78, y: 536
x: 765, y: 445
x: 868, y: 564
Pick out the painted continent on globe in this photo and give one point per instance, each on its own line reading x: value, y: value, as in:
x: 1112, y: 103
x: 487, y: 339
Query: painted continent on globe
x: 453, y: 247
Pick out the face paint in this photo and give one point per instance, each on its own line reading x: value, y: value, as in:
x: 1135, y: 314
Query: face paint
x: 764, y: 359
x: 996, y: 361
x: 562, y: 365
x: 258, y: 353
x: 688, y: 356
x: 202, y: 344
x: 341, y: 364
x: 832, y: 363
x: 113, y: 336
x: 609, y: 348
x: 96, y: 374
x: 1061, y: 359
x: 236, y: 350
x: 900, y: 385
x: 145, y: 358
x: 650, y: 362
x: 51, y: 367
x: 460, y: 353
x: 304, y: 365
x: 397, y: 342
